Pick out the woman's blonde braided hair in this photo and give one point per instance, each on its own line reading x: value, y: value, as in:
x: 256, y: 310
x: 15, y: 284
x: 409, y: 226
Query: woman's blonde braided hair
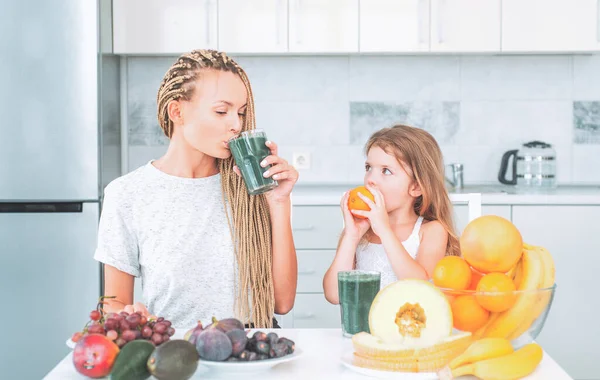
x: 251, y: 225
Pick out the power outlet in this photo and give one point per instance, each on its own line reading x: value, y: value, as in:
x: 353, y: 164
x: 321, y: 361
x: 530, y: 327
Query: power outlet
x: 301, y: 161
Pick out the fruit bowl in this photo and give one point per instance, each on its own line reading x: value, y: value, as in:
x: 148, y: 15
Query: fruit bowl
x: 520, y: 314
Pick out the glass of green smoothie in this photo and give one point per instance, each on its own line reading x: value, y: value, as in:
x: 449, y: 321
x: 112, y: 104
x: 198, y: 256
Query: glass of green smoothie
x: 248, y: 150
x: 357, y: 289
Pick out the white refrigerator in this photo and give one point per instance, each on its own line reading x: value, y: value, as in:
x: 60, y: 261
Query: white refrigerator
x: 49, y: 179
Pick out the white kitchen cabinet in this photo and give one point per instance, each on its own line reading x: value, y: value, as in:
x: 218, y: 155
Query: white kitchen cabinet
x: 465, y: 25
x: 461, y: 214
x: 163, y: 27
x: 257, y: 26
x: 313, y: 311
x: 394, y: 25
x: 551, y: 26
x: 317, y: 26
x: 572, y: 235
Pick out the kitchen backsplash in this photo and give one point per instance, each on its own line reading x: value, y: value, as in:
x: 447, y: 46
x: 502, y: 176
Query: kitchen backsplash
x: 477, y: 107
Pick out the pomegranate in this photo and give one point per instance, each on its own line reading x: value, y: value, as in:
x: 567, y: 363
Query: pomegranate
x: 94, y: 355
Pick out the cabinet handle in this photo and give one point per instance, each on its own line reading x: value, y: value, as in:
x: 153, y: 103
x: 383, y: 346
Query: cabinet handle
x: 422, y: 5
x: 440, y: 20
x: 307, y: 228
x: 304, y: 316
x: 307, y: 271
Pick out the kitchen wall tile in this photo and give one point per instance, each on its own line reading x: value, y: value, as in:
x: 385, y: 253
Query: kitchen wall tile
x: 297, y: 78
x: 586, y: 161
x: 514, y: 122
x: 586, y: 77
x: 516, y: 77
x: 586, y: 122
x: 305, y: 123
x: 441, y: 119
x: 144, y: 75
x: 335, y: 164
x: 141, y: 155
x: 404, y: 78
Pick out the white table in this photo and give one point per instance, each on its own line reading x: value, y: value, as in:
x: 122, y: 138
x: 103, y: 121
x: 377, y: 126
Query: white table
x: 320, y: 359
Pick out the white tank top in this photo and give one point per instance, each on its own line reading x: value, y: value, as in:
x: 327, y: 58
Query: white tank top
x: 372, y: 256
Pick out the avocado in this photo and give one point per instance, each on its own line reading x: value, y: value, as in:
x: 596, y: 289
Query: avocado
x: 131, y: 361
x: 175, y: 359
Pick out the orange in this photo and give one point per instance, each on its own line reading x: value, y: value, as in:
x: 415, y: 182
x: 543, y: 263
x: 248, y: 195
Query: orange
x: 475, y: 277
x: 496, y: 282
x: 467, y: 314
x: 452, y: 272
x: 491, y: 243
x: 355, y: 203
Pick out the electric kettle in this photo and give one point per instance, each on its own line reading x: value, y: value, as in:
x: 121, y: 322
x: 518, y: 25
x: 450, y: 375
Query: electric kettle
x: 533, y: 166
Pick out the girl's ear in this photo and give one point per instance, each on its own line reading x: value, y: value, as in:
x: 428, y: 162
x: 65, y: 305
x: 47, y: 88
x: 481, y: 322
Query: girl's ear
x: 415, y: 190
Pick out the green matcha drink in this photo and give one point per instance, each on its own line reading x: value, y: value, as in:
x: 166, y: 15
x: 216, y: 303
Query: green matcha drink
x: 356, y: 290
x: 248, y: 150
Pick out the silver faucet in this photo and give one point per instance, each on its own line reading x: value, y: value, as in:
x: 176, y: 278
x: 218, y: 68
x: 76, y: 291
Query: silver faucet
x: 457, y: 176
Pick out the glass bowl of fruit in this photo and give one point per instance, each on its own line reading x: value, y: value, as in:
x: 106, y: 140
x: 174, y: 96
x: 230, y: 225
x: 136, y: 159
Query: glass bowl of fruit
x: 499, y: 286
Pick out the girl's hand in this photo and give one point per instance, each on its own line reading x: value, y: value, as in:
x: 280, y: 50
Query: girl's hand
x: 282, y: 172
x: 378, y: 216
x: 354, y: 228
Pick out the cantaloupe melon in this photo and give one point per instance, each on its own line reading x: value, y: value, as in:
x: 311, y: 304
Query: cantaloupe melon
x: 410, y: 312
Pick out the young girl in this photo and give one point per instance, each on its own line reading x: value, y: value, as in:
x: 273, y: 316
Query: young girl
x: 185, y: 223
x: 409, y: 227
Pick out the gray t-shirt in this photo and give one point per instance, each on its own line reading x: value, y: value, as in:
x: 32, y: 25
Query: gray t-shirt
x: 173, y: 233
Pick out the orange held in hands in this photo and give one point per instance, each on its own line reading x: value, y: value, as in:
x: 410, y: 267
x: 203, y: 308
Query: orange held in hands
x: 355, y: 203
x: 491, y: 243
x: 452, y: 272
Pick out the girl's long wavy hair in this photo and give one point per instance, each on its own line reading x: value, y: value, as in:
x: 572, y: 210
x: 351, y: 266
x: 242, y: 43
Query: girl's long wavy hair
x: 417, y: 150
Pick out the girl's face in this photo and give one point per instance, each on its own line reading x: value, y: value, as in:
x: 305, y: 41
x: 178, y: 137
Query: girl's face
x: 384, y: 172
x: 214, y: 114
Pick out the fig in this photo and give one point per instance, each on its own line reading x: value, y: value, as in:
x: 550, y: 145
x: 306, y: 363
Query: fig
x: 272, y: 338
x: 192, y: 334
x: 227, y: 324
x: 278, y: 350
x: 262, y: 348
x: 260, y: 336
x: 213, y: 345
x: 238, y: 341
x: 290, y: 344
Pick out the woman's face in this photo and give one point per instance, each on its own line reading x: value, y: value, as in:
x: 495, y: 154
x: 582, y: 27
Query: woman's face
x: 215, y: 113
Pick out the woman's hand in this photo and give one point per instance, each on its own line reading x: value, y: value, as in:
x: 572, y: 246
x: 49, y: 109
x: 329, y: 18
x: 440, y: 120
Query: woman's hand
x: 282, y: 172
x: 136, y: 307
x: 354, y: 228
x: 378, y: 216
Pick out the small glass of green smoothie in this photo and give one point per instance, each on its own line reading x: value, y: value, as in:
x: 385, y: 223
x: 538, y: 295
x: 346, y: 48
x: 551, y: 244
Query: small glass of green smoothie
x: 357, y: 290
x: 248, y: 150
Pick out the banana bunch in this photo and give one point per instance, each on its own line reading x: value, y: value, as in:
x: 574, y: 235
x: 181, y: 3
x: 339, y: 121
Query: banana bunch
x: 494, y: 359
x: 535, y: 270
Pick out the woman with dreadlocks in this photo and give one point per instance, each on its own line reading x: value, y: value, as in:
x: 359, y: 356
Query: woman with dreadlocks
x: 185, y: 224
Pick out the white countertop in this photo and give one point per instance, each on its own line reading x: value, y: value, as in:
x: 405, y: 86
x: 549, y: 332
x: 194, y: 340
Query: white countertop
x: 323, y: 195
x: 322, y: 350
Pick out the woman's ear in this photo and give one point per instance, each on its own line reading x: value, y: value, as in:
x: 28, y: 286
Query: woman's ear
x: 415, y: 190
x: 175, y: 111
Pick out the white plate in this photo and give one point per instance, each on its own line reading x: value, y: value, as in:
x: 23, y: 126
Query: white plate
x: 71, y: 344
x: 347, y: 361
x: 246, y: 367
